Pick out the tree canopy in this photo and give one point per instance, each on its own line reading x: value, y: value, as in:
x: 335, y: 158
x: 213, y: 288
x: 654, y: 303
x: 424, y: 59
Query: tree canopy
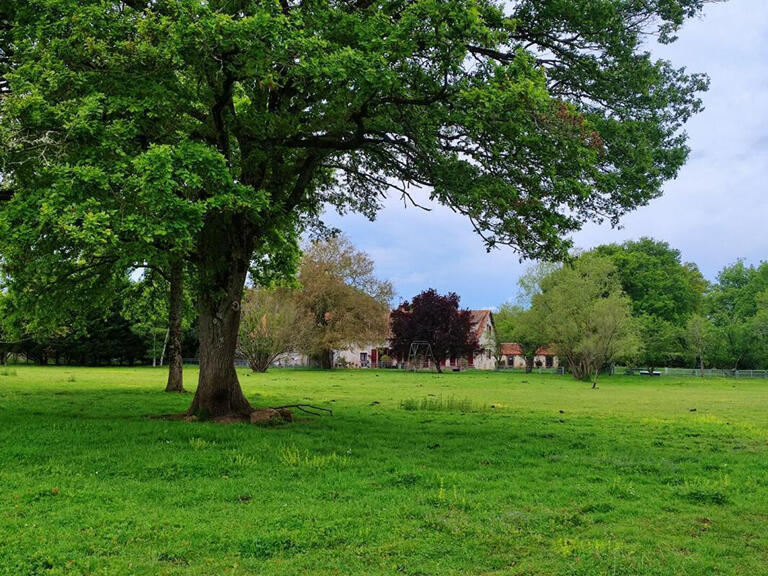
x: 735, y: 305
x: 271, y: 326
x: 664, y: 293
x: 586, y: 316
x: 341, y: 302
x: 211, y: 130
x: 523, y: 326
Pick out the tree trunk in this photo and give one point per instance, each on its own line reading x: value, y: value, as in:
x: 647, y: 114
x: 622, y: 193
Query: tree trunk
x: 165, y: 344
x: 529, y: 364
x: 225, y: 250
x: 175, y: 307
x: 326, y: 359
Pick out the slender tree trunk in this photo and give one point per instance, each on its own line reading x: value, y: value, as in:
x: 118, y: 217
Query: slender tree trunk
x: 225, y: 251
x: 175, y: 307
x: 165, y: 346
x: 528, y: 364
x: 326, y: 359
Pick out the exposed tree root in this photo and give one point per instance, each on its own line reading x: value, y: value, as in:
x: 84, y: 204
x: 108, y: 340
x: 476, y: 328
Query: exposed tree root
x: 303, y: 408
x: 258, y: 416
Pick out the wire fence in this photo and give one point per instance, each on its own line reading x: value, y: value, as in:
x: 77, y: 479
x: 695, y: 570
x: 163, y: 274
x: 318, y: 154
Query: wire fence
x: 706, y: 373
x: 619, y: 370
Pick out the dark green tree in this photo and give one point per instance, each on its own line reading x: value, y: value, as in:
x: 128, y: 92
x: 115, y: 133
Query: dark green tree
x: 733, y: 304
x: 664, y: 292
x: 135, y: 128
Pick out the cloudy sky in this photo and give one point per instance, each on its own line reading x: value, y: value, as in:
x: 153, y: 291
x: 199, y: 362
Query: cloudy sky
x: 715, y: 211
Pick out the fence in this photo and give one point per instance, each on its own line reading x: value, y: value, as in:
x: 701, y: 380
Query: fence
x: 706, y: 373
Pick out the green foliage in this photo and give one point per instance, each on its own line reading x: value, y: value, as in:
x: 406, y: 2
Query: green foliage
x: 626, y: 480
x: 664, y: 293
x: 270, y: 325
x: 736, y: 306
x: 524, y: 327
x: 341, y: 302
x: 657, y: 282
x: 132, y: 130
x: 587, y: 317
x: 701, y: 338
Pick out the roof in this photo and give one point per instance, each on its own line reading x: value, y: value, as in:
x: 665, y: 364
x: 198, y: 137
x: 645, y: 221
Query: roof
x: 480, y: 319
x: 513, y: 349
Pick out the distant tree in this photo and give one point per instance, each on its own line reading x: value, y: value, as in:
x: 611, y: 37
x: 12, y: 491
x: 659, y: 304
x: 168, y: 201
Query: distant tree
x: 663, y: 290
x: 610, y: 333
x: 5, y: 344
x: 662, y: 341
x: 525, y: 327
x: 656, y: 280
x: 271, y: 326
x: 761, y: 328
x: 437, y: 320
x: 341, y: 300
x: 587, y: 317
x: 700, y: 337
x: 733, y: 306
x: 529, y: 283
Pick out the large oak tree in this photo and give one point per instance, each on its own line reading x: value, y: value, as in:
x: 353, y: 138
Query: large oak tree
x: 209, y: 128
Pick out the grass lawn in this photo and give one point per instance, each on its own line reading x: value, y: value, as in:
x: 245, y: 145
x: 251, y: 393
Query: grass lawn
x: 538, y: 475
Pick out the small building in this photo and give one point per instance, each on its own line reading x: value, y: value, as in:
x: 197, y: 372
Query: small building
x: 512, y: 357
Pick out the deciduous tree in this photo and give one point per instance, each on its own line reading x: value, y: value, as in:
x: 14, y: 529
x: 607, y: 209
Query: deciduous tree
x: 732, y: 304
x: 525, y: 327
x: 271, y: 326
x: 341, y: 300
x: 436, y: 319
x: 664, y: 292
x: 587, y: 317
x: 701, y: 339
x: 245, y: 117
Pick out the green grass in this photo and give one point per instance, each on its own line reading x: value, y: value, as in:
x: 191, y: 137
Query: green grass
x: 486, y: 473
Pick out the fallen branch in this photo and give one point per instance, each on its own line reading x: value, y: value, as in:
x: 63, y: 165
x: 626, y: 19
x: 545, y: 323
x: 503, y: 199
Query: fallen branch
x: 303, y: 408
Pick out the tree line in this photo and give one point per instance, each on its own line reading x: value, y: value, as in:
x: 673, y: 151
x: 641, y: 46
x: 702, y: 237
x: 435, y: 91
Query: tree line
x: 638, y: 303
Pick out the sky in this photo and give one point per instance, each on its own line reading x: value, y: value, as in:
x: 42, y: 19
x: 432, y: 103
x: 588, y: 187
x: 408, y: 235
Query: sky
x: 715, y: 212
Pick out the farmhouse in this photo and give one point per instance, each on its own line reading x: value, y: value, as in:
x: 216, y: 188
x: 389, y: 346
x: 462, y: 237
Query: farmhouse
x: 377, y: 354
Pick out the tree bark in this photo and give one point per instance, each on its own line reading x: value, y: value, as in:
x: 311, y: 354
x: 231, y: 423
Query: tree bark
x: 326, y: 359
x: 529, y: 364
x: 225, y: 250
x: 175, y: 307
